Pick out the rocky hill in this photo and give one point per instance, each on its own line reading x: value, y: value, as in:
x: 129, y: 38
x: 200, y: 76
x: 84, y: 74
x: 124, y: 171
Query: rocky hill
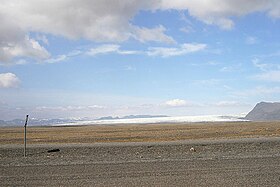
x: 265, y: 111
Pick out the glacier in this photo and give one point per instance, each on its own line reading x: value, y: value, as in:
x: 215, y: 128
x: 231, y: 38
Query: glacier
x: 177, y: 119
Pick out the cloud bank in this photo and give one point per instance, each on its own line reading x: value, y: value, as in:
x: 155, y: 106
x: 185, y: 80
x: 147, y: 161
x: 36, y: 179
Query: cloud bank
x: 220, y: 12
x: 105, y: 21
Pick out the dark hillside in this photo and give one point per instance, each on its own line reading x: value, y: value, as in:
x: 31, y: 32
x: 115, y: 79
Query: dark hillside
x: 265, y: 111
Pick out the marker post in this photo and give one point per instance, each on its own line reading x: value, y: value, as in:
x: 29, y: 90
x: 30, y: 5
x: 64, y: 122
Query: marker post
x: 25, y: 135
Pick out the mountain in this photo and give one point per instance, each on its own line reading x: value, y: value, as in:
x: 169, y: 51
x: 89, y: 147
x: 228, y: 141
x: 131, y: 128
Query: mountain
x: 37, y: 122
x: 14, y: 122
x: 265, y: 111
x: 47, y: 122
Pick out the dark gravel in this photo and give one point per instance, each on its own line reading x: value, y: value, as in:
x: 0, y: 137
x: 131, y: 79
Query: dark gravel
x: 244, y: 162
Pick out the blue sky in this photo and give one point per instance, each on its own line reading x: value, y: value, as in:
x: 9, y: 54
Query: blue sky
x: 98, y: 58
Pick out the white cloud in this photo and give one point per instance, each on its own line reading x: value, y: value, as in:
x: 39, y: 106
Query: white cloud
x: 219, y: 12
x: 156, y: 34
x: 106, y: 21
x: 106, y: 49
x: 15, y: 42
x: 110, y: 20
x: 176, y: 103
x: 109, y: 48
x: 8, y: 80
x: 25, y: 47
x: 99, y: 50
x: 182, y: 50
x: 57, y: 59
x: 103, y: 49
x: 63, y: 57
x: 95, y: 20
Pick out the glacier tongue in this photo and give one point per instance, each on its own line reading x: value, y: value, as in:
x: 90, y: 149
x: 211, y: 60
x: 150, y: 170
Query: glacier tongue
x: 179, y: 119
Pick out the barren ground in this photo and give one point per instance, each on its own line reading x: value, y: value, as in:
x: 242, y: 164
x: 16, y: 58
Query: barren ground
x: 226, y: 154
x: 140, y: 133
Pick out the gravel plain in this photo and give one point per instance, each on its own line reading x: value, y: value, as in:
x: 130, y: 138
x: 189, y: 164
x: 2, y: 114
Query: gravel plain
x: 220, y: 162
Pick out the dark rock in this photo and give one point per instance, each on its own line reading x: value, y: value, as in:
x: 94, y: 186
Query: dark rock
x: 53, y: 150
x: 265, y: 111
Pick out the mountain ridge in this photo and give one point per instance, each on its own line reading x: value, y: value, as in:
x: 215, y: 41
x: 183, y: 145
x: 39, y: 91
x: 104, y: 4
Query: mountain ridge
x: 265, y: 111
x: 57, y: 121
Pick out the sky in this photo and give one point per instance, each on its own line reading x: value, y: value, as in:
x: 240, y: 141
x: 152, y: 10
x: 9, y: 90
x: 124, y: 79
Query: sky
x: 93, y: 58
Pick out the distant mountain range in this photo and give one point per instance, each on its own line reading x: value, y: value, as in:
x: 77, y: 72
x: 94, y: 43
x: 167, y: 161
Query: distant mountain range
x: 265, y: 111
x: 46, y: 122
x: 36, y: 122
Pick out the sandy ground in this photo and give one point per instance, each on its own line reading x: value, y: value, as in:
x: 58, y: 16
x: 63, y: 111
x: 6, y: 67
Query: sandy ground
x: 246, y: 159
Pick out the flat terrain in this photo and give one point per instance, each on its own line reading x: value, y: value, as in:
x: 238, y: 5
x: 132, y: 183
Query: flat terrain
x: 226, y: 154
x: 140, y: 133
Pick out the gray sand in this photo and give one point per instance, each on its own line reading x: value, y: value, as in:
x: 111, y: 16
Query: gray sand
x: 239, y: 162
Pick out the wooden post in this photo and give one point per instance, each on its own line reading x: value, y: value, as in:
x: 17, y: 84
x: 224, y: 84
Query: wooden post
x: 25, y: 135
